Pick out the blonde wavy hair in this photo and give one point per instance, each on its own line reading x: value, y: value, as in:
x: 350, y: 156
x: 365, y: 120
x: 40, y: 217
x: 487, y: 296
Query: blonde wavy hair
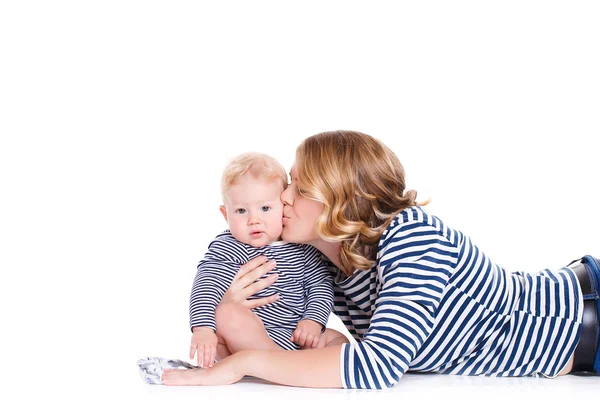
x: 361, y: 184
x: 256, y: 165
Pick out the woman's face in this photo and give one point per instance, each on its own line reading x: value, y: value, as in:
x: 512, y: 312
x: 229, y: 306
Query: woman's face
x: 299, y: 214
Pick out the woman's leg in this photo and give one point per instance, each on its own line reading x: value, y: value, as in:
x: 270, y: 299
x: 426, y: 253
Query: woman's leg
x: 594, y: 267
x: 591, y: 291
x: 567, y: 369
x: 238, y: 328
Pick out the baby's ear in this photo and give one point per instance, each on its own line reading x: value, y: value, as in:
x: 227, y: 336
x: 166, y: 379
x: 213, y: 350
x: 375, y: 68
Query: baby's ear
x: 224, y: 212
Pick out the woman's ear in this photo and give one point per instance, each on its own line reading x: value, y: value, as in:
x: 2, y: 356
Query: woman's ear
x: 224, y: 212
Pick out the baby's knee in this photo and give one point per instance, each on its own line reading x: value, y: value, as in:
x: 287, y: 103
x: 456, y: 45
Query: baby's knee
x: 230, y: 317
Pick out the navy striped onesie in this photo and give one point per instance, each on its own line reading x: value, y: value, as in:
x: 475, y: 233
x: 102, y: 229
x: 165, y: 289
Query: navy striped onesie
x: 435, y: 303
x: 304, y: 285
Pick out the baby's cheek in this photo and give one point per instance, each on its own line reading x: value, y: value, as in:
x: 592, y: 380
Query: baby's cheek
x: 237, y: 231
x: 277, y: 229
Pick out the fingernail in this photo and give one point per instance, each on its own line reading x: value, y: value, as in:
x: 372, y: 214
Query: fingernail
x: 272, y: 262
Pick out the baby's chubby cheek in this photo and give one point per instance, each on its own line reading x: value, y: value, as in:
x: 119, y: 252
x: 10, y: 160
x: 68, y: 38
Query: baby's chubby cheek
x: 278, y: 230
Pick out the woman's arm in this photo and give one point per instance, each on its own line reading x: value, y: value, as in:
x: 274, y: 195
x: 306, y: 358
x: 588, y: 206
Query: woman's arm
x: 307, y: 368
x: 316, y: 368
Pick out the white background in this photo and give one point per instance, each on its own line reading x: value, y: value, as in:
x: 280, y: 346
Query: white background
x: 116, y: 118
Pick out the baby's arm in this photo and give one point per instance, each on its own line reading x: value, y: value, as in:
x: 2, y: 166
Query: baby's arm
x: 213, y: 276
x: 207, y: 291
x: 307, y: 333
x: 204, y: 341
x: 318, y: 290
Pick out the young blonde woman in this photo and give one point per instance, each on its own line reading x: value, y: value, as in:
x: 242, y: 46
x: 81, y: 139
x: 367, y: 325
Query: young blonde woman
x: 414, y: 293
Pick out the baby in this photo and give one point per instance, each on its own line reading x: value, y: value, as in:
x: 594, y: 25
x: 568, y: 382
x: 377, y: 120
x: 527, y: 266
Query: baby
x: 251, y: 187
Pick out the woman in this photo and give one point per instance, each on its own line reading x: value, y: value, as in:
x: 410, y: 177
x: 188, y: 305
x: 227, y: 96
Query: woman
x: 413, y: 292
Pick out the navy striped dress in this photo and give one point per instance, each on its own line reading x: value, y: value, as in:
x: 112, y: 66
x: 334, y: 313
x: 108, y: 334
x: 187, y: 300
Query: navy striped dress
x: 435, y: 303
x: 304, y: 285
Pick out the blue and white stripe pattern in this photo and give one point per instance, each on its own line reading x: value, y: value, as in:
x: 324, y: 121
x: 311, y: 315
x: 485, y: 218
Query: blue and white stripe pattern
x: 435, y: 303
x: 304, y: 285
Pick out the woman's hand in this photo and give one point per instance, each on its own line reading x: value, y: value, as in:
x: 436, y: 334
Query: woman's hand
x: 224, y: 372
x: 245, y: 283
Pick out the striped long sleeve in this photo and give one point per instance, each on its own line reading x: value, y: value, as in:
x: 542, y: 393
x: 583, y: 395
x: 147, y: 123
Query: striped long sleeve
x: 304, y: 285
x: 414, y: 269
x: 318, y: 287
x: 435, y: 302
x: 214, y: 274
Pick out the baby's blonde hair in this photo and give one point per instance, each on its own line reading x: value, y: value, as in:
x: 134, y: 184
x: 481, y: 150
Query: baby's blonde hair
x: 257, y: 165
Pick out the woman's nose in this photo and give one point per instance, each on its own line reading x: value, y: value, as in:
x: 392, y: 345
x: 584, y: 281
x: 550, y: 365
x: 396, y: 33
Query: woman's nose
x: 287, y: 197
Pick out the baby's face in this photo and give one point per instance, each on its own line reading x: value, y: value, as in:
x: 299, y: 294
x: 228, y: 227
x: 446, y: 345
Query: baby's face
x: 254, y: 211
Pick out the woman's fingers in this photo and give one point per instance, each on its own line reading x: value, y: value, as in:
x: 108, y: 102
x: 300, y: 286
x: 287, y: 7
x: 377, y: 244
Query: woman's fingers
x: 236, y: 285
x: 262, y: 301
x: 223, y: 373
x: 259, y: 285
x: 250, y: 284
x: 248, y: 273
x: 246, y: 280
x: 250, y: 265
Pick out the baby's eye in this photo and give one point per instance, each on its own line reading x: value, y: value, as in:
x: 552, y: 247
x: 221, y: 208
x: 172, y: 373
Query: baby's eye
x: 240, y: 211
x: 265, y: 208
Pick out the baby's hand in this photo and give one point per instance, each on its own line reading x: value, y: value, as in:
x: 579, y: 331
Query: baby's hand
x: 204, y: 341
x: 307, y: 333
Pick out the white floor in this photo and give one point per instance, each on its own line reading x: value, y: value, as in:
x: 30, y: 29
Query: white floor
x: 423, y: 386
x: 123, y: 382
x: 84, y: 360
